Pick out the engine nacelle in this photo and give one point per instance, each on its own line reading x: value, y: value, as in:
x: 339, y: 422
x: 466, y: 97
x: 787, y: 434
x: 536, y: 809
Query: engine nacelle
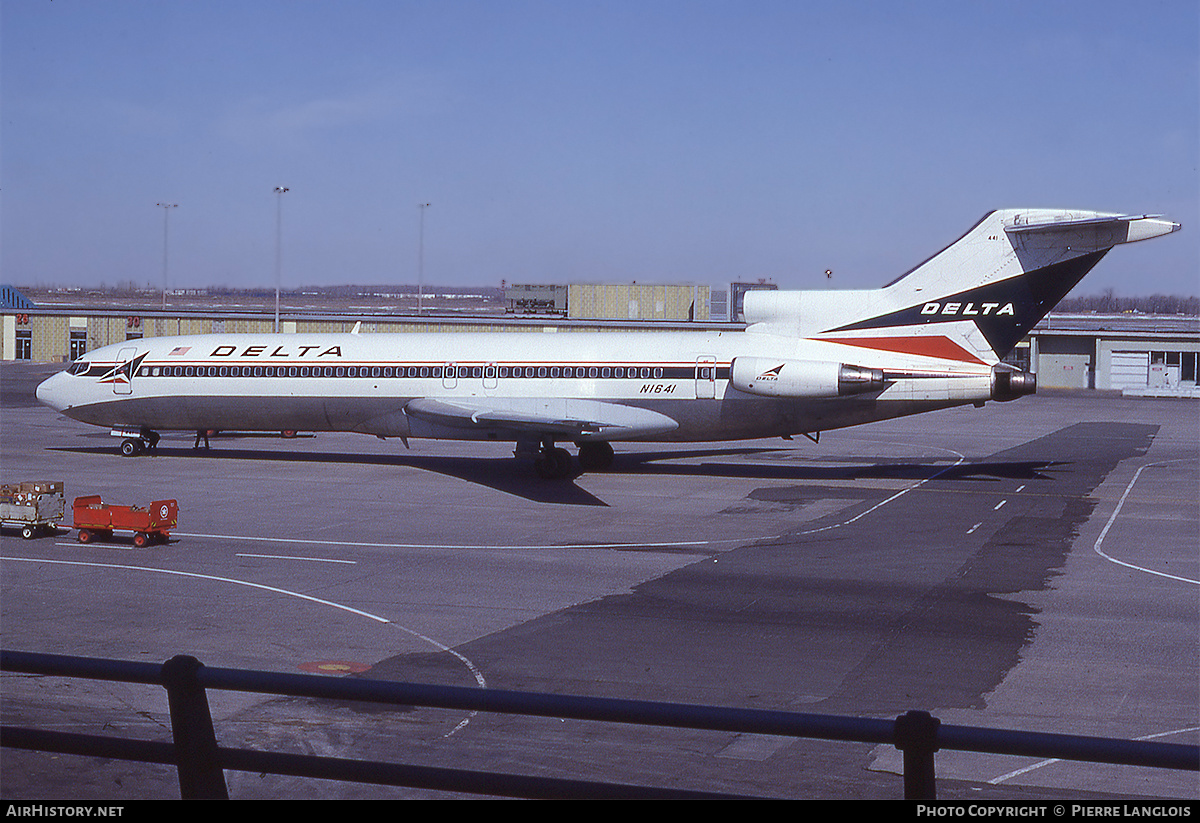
x: 777, y: 377
x: 1009, y: 385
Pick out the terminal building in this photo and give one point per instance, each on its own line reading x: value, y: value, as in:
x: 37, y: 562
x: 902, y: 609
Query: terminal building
x: 625, y: 301
x: 631, y: 301
x: 1135, y: 354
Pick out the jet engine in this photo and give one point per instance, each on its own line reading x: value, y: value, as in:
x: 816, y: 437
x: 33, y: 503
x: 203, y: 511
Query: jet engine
x: 1010, y: 384
x: 802, y: 378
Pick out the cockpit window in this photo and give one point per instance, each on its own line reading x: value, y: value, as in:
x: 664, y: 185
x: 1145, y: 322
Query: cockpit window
x: 79, y: 367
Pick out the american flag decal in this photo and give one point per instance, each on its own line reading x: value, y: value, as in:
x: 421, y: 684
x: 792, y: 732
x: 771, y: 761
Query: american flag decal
x: 179, y: 351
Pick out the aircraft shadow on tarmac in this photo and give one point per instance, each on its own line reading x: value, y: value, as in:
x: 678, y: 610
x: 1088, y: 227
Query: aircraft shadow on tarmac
x: 498, y: 473
x: 506, y: 475
x: 845, y: 468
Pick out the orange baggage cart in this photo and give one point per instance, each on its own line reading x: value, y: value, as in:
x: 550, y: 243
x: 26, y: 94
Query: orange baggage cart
x: 96, y: 519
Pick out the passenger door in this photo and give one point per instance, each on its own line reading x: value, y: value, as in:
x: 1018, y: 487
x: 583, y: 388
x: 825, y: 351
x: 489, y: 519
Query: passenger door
x: 706, y: 377
x: 123, y: 375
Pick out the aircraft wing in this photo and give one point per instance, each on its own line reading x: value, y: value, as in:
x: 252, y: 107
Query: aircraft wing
x: 558, y: 417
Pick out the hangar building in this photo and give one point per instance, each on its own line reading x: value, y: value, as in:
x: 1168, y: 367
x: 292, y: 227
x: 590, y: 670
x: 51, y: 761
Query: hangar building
x: 1135, y: 354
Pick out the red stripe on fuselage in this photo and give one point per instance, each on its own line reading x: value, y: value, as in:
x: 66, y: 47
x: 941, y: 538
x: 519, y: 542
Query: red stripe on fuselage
x: 923, y: 345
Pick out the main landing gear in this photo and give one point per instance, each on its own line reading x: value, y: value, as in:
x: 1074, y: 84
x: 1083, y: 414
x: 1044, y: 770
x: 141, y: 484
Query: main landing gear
x: 554, y: 463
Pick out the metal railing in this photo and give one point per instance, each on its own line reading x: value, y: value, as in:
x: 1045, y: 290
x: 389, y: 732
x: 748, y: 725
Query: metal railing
x: 200, y: 760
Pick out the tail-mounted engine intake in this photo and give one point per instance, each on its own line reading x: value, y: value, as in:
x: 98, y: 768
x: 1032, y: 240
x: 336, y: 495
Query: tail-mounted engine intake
x: 1009, y: 385
x: 802, y: 378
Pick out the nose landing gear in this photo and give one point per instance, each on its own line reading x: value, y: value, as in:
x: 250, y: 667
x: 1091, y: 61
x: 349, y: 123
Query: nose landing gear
x: 135, y: 441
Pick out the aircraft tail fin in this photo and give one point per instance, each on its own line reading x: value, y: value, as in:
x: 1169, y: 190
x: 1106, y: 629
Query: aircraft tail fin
x: 986, y: 290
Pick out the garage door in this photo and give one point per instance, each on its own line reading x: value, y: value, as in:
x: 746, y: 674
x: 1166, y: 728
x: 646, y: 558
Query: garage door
x: 1130, y: 369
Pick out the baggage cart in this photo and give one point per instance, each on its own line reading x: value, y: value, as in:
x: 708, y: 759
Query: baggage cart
x: 36, y: 507
x: 96, y: 519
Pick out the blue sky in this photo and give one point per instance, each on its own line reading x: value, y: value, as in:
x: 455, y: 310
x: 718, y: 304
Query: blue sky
x: 582, y: 141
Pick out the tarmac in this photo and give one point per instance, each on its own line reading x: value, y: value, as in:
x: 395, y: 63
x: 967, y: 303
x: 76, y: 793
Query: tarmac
x: 1029, y: 565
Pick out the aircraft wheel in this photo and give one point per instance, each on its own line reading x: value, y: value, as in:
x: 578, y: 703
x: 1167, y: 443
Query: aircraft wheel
x: 595, y: 456
x: 562, y: 460
x: 553, y: 464
x: 545, y: 465
x: 131, y: 447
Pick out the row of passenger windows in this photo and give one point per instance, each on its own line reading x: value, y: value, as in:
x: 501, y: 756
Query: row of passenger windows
x: 489, y: 372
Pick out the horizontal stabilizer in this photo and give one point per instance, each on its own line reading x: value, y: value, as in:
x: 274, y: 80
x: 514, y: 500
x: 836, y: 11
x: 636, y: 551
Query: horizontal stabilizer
x: 1125, y: 228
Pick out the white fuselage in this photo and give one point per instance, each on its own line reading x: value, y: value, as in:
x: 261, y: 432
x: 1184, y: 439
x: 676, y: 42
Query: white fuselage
x: 364, y: 382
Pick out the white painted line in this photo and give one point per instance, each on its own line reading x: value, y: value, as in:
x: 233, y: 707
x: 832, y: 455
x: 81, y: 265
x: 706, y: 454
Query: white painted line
x: 361, y: 545
x: 1017, y: 773
x: 297, y: 557
x: 998, y: 505
x: 973, y: 528
x: 197, y: 576
x: 883, y: 503
x: 1020, y: 488
x: 1113, y: 518
x: 680, y: 544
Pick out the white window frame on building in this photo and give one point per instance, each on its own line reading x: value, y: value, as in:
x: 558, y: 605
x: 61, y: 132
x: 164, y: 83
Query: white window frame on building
x: 1154, y: 369
x: 78, y: 344
x: 23, y: 349
x: 1172, y: 369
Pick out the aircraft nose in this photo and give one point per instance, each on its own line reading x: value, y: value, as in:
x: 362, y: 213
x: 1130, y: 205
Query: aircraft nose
x: 52, y: 392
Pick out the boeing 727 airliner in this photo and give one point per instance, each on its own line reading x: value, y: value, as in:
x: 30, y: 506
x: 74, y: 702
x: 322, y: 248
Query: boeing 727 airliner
x: 807, y: 362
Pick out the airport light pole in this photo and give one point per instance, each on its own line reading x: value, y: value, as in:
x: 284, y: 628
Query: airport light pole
x: 421, y: 258
x: 279, y: 192
x: 166, y: 207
